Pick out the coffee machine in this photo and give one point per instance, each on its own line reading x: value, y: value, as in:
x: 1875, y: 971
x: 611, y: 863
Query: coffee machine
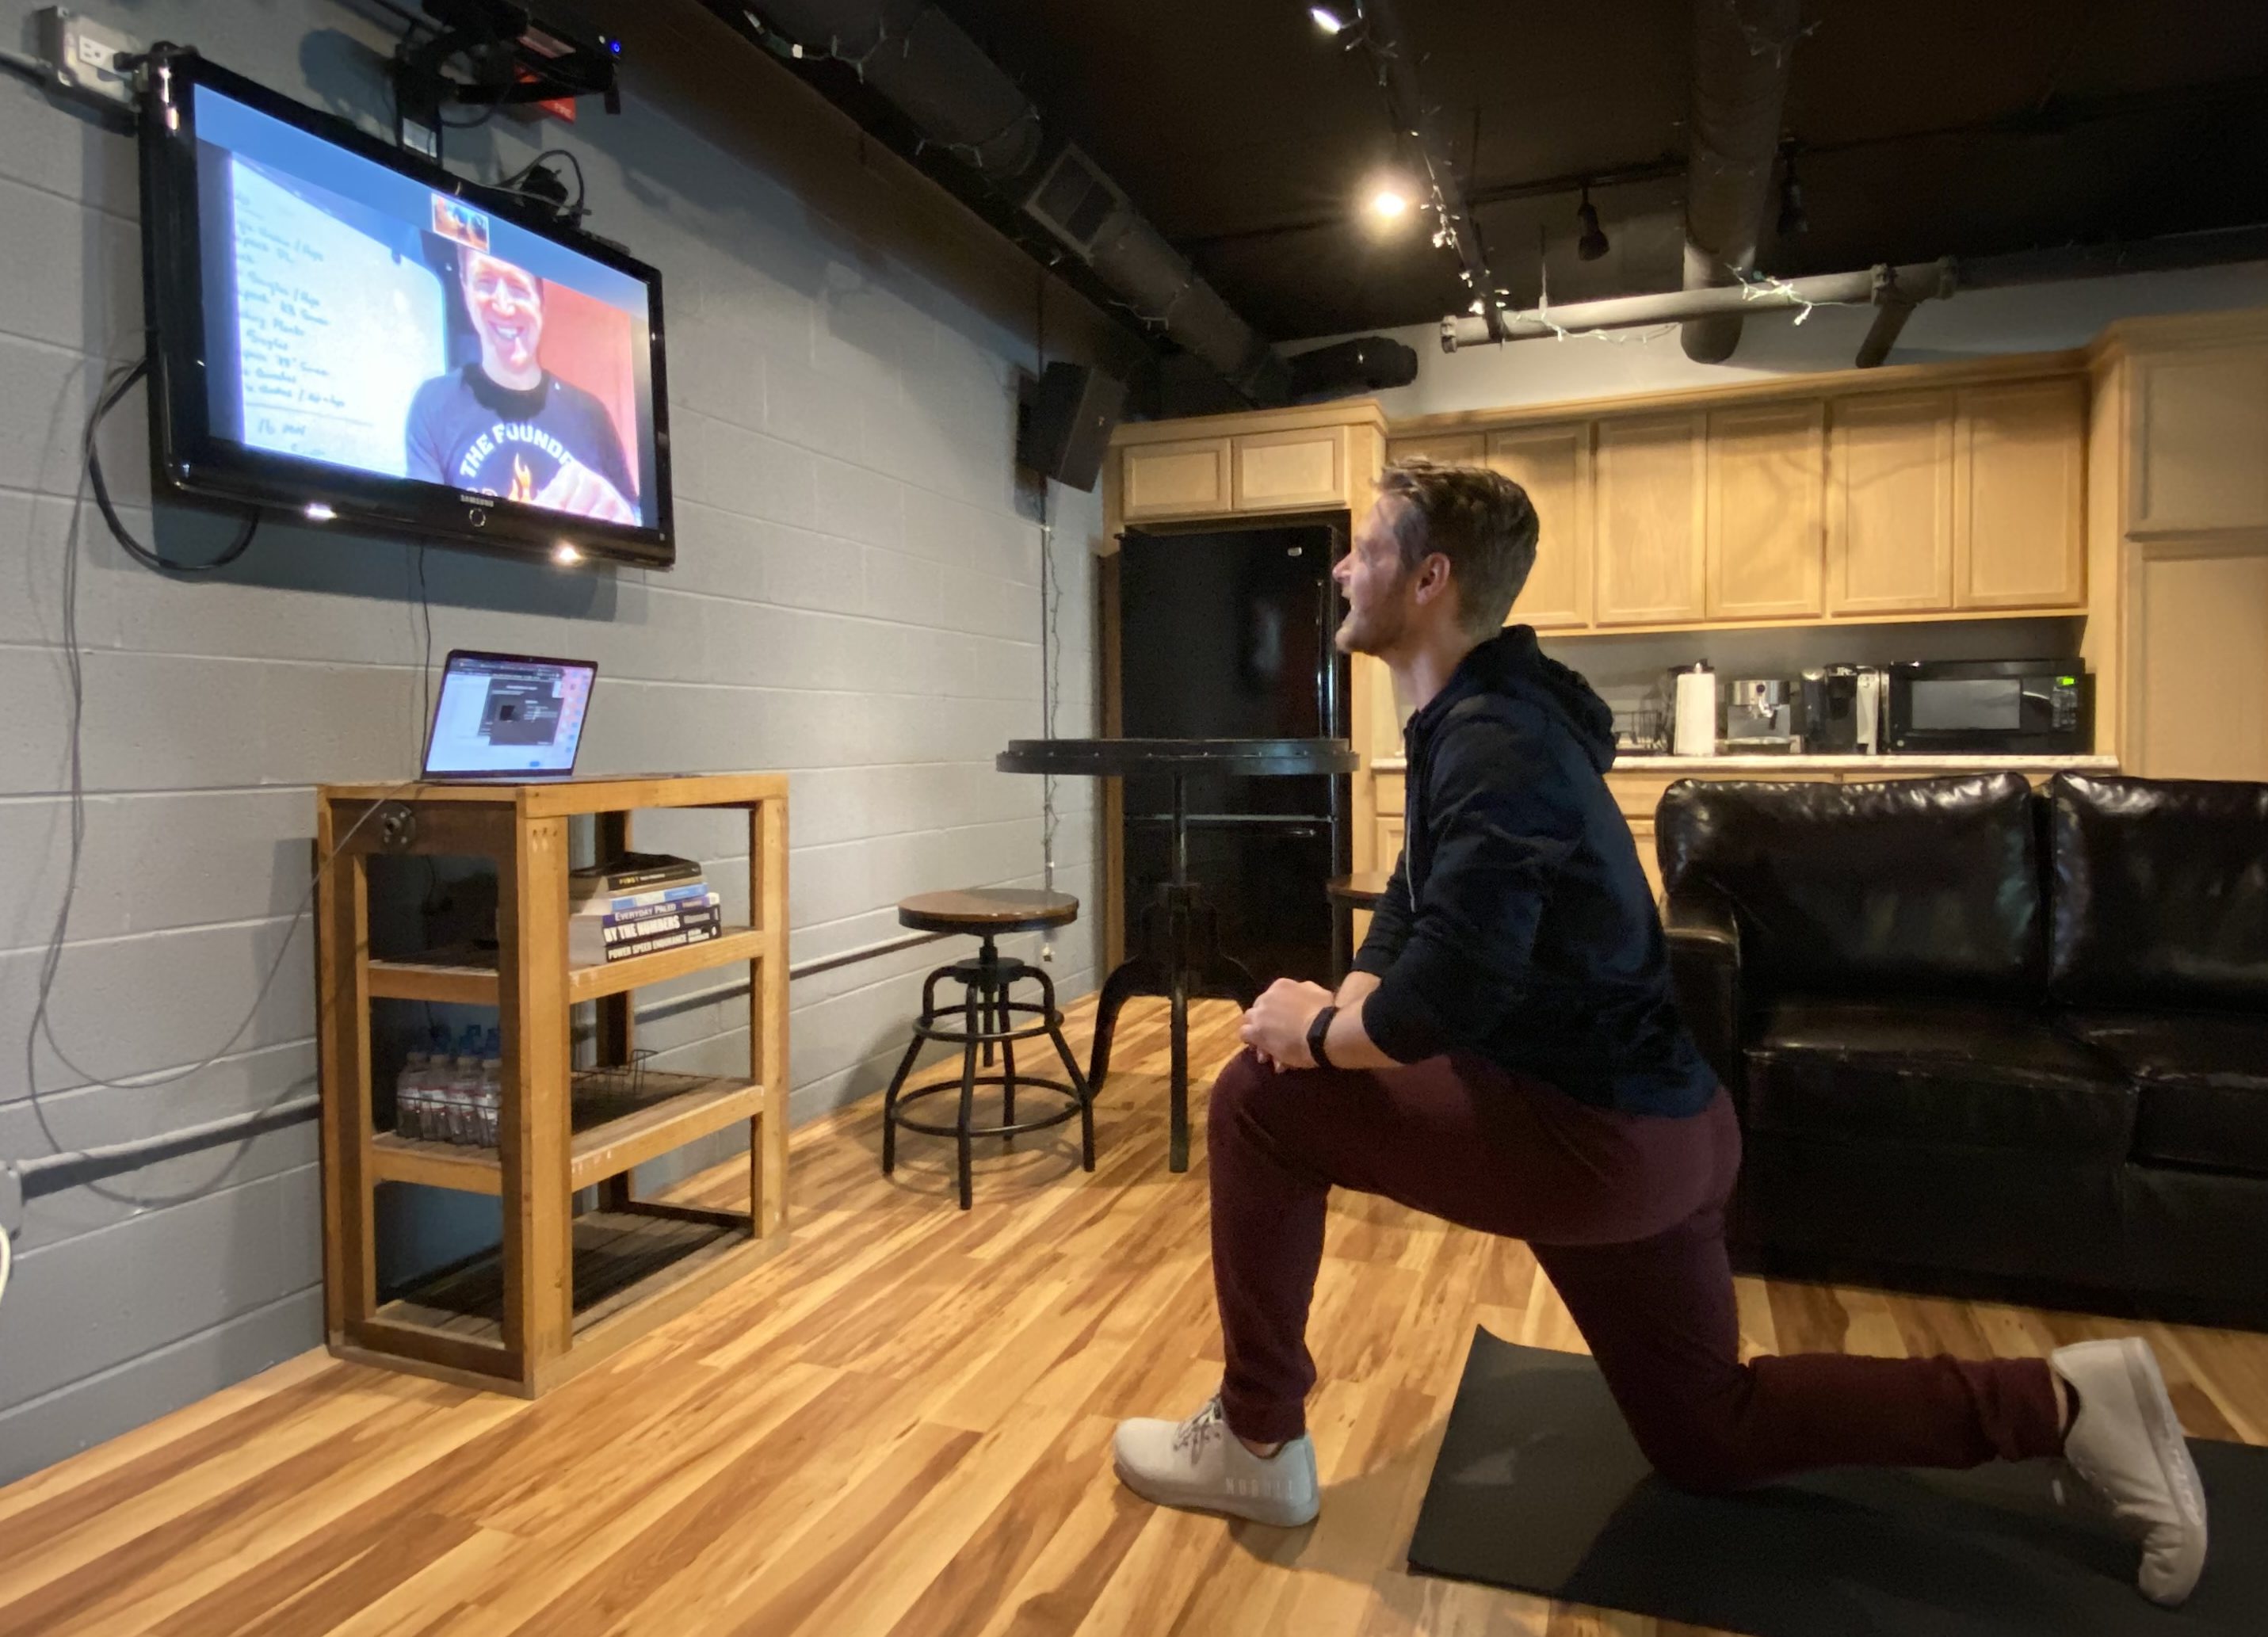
x: 1762, y: 715
x: 1843, y: 710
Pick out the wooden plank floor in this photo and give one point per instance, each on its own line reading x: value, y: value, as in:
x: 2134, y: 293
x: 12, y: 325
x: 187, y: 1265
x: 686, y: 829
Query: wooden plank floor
x: 899, y: 1427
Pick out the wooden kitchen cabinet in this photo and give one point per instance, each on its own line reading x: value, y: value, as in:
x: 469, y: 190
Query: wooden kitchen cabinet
x: 2198, y: 623
x: 1185, y: 479
x: 2020, y: 477
x: 1446, y: 449
x: 1298, y: 470
x: 1553, y: 463
x: 2201, y: 439
x: 1889, y: 504
x: 1651, y: 499
x: 1766, y: 499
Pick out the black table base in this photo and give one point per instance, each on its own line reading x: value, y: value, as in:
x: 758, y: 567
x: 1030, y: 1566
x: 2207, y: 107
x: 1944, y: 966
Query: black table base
x: 1180, y: 960
x: 1181, y: 955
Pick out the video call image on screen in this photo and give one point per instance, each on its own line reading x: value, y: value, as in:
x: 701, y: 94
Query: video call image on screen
x: 357, y: 317
x: 500, y: 715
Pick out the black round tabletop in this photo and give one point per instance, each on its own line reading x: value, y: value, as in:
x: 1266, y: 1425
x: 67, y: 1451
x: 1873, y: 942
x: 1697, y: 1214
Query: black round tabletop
x: 1249, y: 758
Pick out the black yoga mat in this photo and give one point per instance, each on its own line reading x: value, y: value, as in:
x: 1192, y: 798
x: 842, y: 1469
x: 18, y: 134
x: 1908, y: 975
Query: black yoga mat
x: 1539, y: 1487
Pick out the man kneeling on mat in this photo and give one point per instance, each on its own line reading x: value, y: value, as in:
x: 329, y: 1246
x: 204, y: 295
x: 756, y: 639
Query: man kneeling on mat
x: 1506, y: 1054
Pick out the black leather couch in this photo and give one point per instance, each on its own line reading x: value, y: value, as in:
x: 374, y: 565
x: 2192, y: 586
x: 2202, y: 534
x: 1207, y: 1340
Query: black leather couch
x: 1987, y: 1041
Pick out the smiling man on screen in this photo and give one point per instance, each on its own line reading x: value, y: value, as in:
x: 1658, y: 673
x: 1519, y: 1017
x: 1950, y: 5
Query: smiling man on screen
x: 505, y: 425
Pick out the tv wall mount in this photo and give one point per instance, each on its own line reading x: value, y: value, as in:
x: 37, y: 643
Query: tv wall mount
x: 505, y: 56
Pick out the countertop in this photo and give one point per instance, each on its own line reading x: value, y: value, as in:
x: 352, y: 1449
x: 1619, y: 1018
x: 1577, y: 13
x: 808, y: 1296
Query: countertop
x: 1837, y: 763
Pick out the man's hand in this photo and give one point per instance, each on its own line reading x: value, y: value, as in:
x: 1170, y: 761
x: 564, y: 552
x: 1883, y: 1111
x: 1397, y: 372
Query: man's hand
x: 1277, y: 1025
x: 576, y: 490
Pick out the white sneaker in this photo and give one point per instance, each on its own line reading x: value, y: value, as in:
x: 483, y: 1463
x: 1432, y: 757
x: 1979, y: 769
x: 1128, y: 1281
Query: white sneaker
x: 2128, y: 1442
x: 1200, y: 1466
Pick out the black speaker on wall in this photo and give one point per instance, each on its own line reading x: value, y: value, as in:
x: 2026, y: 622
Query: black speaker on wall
x: 1067, y: 427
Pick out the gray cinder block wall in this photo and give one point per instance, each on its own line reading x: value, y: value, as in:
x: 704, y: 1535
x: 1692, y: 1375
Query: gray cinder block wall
x: 857, y: 601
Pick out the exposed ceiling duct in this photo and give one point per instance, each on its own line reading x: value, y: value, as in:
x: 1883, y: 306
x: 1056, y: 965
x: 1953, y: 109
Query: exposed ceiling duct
x: 1741, y: 51
x: 921, y: 62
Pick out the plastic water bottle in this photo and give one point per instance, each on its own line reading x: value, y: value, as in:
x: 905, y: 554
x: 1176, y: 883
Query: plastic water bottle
x: 410, y: 1088
x: 464, y: 1101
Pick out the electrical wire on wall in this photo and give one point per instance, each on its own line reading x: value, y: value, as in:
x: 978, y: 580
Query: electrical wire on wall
x: 41, y: 1024
x: 1051, y: 608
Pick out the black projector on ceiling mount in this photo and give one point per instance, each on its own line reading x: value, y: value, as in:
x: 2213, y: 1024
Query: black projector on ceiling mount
x: 513, y: 57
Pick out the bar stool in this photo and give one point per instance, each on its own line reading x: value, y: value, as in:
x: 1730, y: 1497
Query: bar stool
x: 1348, y: 893
x: 986, y: 1019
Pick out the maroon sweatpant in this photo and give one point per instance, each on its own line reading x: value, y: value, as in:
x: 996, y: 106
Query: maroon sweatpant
x: 1626, y: 1214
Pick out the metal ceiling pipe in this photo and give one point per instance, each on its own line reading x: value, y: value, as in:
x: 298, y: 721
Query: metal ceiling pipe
x: 917, y: 58
x: 1920, y: 281
x: 1741, y: 51
x: 1893, y: 291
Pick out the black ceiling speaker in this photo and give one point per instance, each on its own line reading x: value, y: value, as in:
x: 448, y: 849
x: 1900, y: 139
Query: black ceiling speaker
x: 1066, y: 428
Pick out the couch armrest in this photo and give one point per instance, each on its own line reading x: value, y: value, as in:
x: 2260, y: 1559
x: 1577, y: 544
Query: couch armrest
x: 1704, y: 968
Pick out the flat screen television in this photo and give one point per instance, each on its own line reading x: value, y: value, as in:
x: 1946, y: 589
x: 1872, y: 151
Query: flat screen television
x: 342, y: 330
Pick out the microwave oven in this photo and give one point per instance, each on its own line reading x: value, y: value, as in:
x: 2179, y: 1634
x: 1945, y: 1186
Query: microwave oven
x: 1992, y: 706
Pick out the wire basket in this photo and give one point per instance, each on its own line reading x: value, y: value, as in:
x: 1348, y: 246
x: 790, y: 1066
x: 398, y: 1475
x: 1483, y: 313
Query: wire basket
x: 613, y: 1083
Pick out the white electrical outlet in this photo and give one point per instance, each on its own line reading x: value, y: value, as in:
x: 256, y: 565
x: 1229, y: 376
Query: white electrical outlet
x: 84, y: 56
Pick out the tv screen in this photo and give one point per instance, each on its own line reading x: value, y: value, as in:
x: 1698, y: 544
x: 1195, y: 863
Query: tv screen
x: 343, y: 329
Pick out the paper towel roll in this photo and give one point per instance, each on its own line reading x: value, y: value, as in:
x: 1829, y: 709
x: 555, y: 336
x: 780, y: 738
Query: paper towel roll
x: 1696, y: 730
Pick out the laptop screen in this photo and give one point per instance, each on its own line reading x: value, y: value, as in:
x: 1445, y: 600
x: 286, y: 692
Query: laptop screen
x: 504, y: 715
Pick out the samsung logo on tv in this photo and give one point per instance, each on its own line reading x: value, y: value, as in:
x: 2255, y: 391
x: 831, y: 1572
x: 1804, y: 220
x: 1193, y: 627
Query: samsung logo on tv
x: 476, y: 500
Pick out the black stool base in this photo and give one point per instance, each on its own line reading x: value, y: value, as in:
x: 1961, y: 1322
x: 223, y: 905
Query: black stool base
x: 987, y: 1022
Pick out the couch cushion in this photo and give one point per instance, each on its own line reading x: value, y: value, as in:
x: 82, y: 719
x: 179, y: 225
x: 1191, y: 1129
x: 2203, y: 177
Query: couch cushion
x: 1916, y: 886
x: 1943, y: 1073
x: 2203, y: 1079
x: 2160, y: 893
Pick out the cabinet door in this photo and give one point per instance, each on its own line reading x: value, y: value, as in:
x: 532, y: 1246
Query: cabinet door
x: 1184, y: 479
x: 1889, y: 504
x: 1649, y: 855
x: 1447, y: 449
x: 1391, y: 829
x: 2020, y: 480
x: 1280, y: 471
x: 2197, y: 701
x: 1767, y: 474
x: 2201, y: 440
x: 1650, y: 520
x: 1552, y: 463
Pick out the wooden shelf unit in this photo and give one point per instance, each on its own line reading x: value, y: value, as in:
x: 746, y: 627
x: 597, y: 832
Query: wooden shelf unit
x: 561, y: 1291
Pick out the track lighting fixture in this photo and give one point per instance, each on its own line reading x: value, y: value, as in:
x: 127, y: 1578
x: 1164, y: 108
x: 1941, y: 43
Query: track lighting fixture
x: 1593, y: 244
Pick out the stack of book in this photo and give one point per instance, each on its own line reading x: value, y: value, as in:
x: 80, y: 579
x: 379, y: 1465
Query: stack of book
x: 637, y: 903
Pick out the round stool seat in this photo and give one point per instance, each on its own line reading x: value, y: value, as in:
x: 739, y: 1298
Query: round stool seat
x: 988, y: 911
x: 1361, y: 890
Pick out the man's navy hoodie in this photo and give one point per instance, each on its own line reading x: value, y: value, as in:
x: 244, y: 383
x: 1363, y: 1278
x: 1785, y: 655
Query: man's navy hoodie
x: 1518, y: 925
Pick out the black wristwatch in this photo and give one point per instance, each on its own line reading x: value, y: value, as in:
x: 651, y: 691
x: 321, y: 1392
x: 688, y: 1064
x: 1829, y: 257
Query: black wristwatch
x: 1316, y: 1031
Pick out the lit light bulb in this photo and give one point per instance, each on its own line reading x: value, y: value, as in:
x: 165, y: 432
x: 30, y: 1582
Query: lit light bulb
x: 566, y: 552
x: 1329, y: 21
x: 1389, y: 202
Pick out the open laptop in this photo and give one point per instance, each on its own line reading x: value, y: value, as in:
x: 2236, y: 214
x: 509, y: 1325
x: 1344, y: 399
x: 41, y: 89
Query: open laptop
x: 509, y: 716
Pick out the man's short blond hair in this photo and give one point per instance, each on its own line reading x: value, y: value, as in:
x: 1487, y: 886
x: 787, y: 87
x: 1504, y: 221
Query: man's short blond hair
x: 1480, y: 520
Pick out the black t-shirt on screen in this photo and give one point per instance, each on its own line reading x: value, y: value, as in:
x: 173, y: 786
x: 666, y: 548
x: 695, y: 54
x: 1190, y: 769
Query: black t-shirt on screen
x: 467, y: 431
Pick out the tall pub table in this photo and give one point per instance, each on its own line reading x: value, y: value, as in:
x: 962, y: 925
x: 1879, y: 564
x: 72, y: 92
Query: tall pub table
x: 1179, y: 956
